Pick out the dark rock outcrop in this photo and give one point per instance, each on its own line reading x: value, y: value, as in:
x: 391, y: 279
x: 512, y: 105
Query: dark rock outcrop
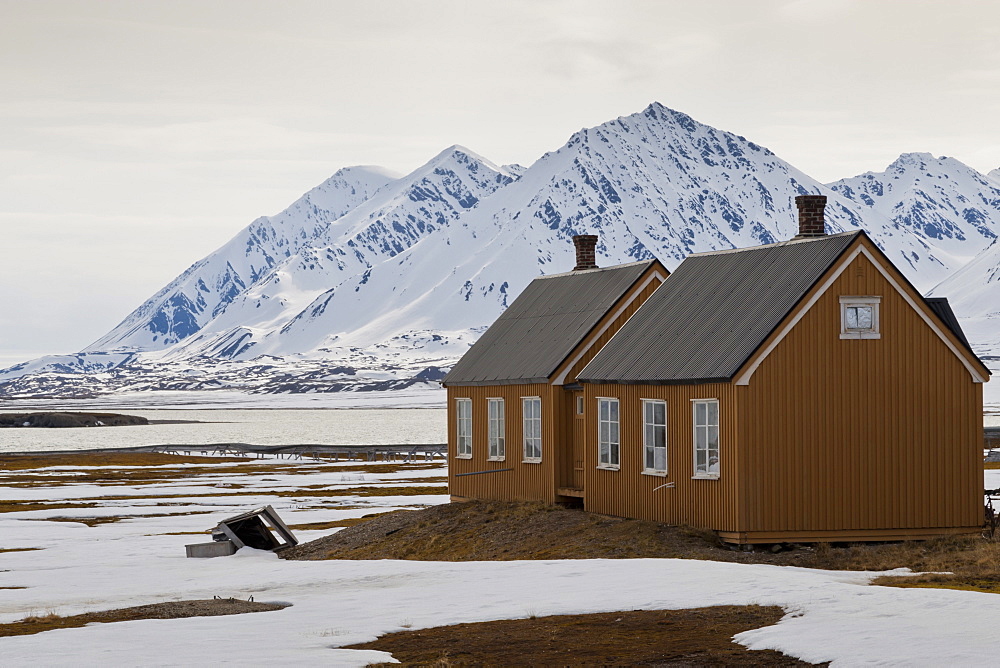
x: 58, y: 419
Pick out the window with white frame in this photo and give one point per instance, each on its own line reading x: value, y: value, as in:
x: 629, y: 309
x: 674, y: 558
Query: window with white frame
x: 654, y: 421
x: 498, y: 448
x: 579, y: 405
x: 859, y: 317
x: 531, y: 408
x: 463, y: 418
x: 607, y: 433
x: 706, y: 438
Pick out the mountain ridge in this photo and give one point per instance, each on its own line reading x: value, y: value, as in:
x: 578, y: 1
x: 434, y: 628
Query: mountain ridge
x: 415, y: 266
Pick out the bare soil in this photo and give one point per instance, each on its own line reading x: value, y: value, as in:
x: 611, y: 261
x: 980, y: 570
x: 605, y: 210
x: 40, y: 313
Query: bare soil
x: 693, y: 637
x: 169, y: 610
x: 492, y: 530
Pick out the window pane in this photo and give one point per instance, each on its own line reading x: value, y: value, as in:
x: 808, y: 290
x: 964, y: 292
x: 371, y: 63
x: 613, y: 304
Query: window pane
x: 614, y: 455
x: 614, y: 432
x: 700, y: 413
x: 701, y: 438
x: 603, y: 406
x: 864, y: 317
x: 713, y: 412
x: 700, y: 460
x: 851, y: 314
x: 614, y: 410
x: 661, y: 437
x: 660, y: 459
x: 660, y: 412
x: 713, y: 438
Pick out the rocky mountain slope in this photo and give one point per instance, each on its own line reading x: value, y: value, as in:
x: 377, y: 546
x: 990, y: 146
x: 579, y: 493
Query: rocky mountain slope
x: 370, y: 281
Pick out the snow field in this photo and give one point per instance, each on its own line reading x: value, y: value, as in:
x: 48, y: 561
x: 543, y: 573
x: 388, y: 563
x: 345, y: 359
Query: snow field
x: 832, y: 616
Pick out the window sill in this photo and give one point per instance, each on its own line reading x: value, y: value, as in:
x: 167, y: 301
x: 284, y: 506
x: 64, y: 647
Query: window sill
x: 608, y: 467
x: 496, y: 459
x: 705, y: 476
x: 659, y: 474
x: 533, y: 460
x: 469, y: 456
x: 860, y: 335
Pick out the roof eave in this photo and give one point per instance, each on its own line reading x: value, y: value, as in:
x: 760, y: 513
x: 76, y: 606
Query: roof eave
x: 487, y: 383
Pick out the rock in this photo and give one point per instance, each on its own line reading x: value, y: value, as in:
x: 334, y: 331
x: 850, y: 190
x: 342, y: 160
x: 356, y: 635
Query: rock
x: 63, y: 419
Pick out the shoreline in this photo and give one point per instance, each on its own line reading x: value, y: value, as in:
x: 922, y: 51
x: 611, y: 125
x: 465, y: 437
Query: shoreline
x: 372, y: 452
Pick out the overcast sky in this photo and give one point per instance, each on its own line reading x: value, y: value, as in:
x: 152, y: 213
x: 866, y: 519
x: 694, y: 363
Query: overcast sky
x: 137, y: 137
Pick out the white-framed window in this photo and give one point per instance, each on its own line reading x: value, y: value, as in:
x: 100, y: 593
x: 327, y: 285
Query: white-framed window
x: 706, y: 437
x: 531, y: 408
x: 607, y: 433
x: 579, y: 405
x: 498, y: 447
x: 859, y: 317
x: 654, y: 436
x: 463, y: 424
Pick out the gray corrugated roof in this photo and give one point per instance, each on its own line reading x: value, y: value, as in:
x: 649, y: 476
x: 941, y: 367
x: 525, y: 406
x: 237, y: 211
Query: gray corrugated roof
x: 714, y: 311
x: 543, y: 326
x: 941, y: 306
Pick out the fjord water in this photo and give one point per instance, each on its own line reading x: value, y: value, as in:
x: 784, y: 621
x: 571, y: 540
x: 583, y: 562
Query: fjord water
x: 251, y: 426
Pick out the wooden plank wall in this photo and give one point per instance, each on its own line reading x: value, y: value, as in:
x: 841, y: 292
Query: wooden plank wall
x: 527, y: 481
x: 861, y: 434
x: 628, y: 492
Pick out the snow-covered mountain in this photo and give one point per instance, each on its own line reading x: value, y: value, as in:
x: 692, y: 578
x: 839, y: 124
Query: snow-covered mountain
x: 974, y: 294
x: 946, y: 204
x: 208, y: 286
x: 397, y: 276
x: 974, y: 290
x: 654, y: 183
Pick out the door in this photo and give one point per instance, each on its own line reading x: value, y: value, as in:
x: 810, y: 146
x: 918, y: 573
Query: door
x: 579, y: 435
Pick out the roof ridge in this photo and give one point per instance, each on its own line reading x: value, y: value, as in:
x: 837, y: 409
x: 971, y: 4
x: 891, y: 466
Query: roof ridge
x: 776, y: 244
x: 581, y: 272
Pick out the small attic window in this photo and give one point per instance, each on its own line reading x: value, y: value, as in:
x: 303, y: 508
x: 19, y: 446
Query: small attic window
x: 859, y: 317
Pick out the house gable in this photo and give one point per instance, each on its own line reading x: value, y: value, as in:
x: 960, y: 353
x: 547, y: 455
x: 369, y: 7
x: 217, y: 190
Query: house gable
x: 933, y: 316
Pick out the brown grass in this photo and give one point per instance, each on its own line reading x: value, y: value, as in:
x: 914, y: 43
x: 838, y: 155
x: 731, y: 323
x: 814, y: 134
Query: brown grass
x: 151, y: 468
x: 333, y: 524
x: 483, y: 530
x: 170, y: 610
x: 18, y: 506
x: 19, y: 549
x: 86, y: 459
x: 989, y: 584
x: 699, y: 636
x: 110, y: 519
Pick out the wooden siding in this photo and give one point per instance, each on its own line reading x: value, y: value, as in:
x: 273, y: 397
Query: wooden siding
x: 628, y: 492
x: 860, y: 435
x: 527, y: 481
x: 535, y: 481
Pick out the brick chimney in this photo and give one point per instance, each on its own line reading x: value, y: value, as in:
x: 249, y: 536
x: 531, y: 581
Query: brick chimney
x: 811, y: 223
x: 585, y: 258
